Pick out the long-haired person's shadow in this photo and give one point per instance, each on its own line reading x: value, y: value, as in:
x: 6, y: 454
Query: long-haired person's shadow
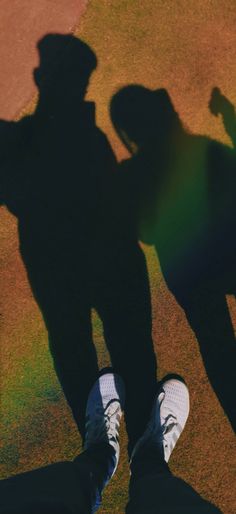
x: 182, y: 188
x: 58, y: 178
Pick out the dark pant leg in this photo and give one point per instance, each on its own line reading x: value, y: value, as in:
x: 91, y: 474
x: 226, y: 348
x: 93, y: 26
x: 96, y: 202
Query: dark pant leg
x: 55, y: 489
x: 166, y: 494
x: 124, y: 305
x: 61, y: 488
x: 154, y: 490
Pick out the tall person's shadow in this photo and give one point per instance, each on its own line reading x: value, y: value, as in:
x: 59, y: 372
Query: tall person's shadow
x: 183, y: 196
x: 59, y: 179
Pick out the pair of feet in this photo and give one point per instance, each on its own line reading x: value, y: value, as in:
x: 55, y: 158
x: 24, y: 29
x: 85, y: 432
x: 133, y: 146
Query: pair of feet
x: 167, y: 420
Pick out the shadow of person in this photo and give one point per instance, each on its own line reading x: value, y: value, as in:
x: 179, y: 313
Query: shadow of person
x: 58, y: 178
x: 183, y: 188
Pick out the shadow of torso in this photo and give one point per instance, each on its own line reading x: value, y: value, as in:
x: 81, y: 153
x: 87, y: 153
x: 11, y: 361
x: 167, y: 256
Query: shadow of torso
x: 184, y: 205
x: 59, y: 174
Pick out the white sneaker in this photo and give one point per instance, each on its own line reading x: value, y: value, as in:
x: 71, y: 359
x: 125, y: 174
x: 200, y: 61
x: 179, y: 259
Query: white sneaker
x: 104, y: 411
x: 169, y: 415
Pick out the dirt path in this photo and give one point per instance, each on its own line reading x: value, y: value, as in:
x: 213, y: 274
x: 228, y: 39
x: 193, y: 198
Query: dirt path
x: 23, y: 23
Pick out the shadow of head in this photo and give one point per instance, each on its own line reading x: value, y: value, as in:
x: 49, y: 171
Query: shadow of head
x: 66, y: 63
x: 142, y: 116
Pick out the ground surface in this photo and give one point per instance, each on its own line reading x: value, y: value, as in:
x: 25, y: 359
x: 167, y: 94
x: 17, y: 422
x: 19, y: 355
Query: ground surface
x: 188, y: 48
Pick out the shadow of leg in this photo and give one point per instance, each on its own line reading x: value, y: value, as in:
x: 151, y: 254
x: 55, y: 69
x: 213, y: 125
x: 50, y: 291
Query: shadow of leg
x: 124, y: 306
x: 75, y: 360
x: 63, y: 300
x: 208, y: 315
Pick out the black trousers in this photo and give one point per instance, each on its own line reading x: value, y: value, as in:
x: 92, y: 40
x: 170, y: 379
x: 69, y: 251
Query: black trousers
x: 75, y: 488
x: 166, y: 494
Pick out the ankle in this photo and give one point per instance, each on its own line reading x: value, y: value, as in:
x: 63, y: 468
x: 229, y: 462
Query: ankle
x: 148, y: 461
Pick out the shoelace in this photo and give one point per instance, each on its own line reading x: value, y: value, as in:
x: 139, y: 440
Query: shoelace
x: 156, y: 433
x: 103, y: 425
x: 168, y: 424
x: 169, y: 421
